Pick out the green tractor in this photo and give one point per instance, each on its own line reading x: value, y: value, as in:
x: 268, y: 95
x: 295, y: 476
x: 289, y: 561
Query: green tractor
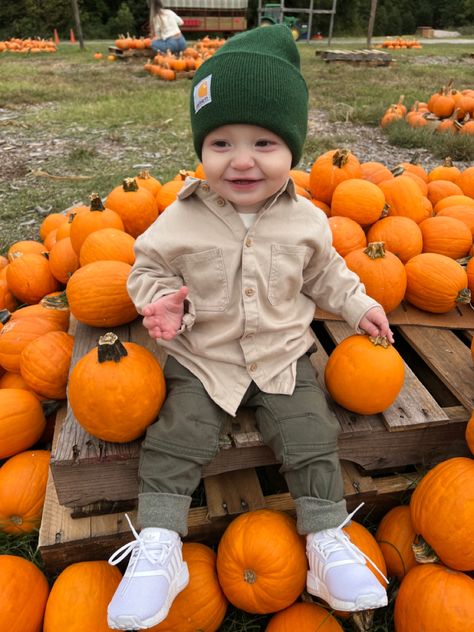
x: 272, y: 14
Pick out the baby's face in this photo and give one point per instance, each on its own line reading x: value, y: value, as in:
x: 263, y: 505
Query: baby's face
x: 245, y: 164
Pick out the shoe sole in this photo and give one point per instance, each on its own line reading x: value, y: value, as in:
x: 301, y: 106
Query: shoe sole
x: 366, y: 602
x: 129, y: 622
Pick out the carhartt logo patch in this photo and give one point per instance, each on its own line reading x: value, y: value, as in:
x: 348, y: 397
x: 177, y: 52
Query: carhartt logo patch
x: 202, y: 93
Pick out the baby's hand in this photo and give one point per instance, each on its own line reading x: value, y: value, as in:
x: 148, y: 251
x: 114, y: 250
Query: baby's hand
x: 375, y: 323
x: 163, y: 318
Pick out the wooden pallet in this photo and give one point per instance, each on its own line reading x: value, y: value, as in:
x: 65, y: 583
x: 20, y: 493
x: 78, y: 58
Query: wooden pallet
x: 357, y: 57
x: 426, y: 424
x: 64, y: 539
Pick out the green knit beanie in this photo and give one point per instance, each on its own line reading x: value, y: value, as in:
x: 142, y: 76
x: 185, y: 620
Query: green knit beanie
x: 253, y: 79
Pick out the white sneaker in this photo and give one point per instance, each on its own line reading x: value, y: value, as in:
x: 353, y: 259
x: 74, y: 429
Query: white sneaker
x: 338, y: 572
x: 155, y: 575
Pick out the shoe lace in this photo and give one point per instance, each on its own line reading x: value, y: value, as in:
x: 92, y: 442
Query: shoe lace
x: 338, y: 541
x: 155, y: 553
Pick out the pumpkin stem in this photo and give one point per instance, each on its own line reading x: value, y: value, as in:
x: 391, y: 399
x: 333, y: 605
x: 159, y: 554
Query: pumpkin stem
x: 51, y: 406
x: 144, y: 174
x: 5, y: 316
x: 464, y: 296
x: 381, y: 341
x: 399, y: 170
x: 110, y: 348
x: 250, y: 576
x: 448, y: 162
x: 340, y: 157
x: 363, y: 620
x: 424, y: 554
x: 55, y: 301
x: 415, y: 159
x: 130, y: 184
x: 96, y: 202
x: 375, y: 250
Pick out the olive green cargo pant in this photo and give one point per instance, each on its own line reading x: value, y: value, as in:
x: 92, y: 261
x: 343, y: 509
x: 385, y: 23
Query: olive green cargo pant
x: 299, y: 428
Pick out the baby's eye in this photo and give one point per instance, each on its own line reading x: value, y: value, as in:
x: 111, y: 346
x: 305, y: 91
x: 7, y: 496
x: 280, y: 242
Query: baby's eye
x: 220, y: 143
x: 264, y: 143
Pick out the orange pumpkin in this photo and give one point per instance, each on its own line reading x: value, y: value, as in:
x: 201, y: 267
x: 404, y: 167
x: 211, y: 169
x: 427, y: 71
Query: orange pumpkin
x: 202, y: 604
x: 168, y: 193
x: 108, y: 244
x: 375, y: 172
x: 347, y: 234
x: 439, y: 189
x: 358, y: 199
x: 303, y: 617
x: 365, y: 541
x: 23, y: 595
x: 466, y: 182
x: 436, y: 599
x: 364, y: 375
x: 300, y: 178
x: 436, y: 283
x: 329, y: 170
x: 23, y: 479
x: 401, y: 235
x: 14, y: 380
x: 446, y: 171
x: 7, y: 300
x: 97, y: 294
x: 86, y: 223
x: 16, y: 334
x: 395, y: 536
x: 446, y: 236
x: 453, y: 200
x: 442, y: 511
x: 22, y: 421
x: 147, y: 181
x: 463, y: 213
x: 63, y: 260
x: 51, y: 222
x: 136, y: 206
x: 45, y: 363
x: 114, y: 372
x: 404, y: 198
x: 415, y: 167
x: 25, y: 247
x: 29, y: 278
x: 261, y: 561
x: 382, y: 273
x: 83, y: 587
x: 53, y: 308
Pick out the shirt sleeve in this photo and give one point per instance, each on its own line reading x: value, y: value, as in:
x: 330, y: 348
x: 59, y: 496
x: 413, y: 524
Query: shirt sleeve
x: 332, y: 285
x: 179, y: 21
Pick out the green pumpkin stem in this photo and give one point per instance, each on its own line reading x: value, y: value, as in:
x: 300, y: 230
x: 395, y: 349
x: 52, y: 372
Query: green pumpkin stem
x: 423, y: 552
x: 464, y: 296
x: 5, y: 316
x: 110, y: 348
x: 55, y: 301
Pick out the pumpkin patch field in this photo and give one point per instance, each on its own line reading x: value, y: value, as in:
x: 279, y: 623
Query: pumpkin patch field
x: 92, y: 153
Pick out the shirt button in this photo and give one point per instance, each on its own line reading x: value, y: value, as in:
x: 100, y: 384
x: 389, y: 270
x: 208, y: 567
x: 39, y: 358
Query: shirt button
x: 249, y: 291
x: 253, y: 367
x: 205, y: 187
x: 248, y: 242
x: 220, y: 202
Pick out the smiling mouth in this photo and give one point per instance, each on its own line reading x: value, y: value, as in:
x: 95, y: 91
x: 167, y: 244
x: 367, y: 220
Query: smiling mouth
x: 242, y: 181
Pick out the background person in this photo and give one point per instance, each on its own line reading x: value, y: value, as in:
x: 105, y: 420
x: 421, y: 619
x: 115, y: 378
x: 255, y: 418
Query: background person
x: 164, y: 29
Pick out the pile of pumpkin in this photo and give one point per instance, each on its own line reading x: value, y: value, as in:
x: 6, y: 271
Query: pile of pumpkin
x: 400, y: 42
x: 448, y: 110
x: 132, y: 43
x: 166, y: 65
x: 406, y: 232
x: 27, y: 45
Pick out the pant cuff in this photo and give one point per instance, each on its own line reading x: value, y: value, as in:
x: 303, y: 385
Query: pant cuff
x: 166, y: 511
x: 317, y: 514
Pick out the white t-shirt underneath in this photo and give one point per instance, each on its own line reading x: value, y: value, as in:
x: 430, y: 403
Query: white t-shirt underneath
x: 248, y: 218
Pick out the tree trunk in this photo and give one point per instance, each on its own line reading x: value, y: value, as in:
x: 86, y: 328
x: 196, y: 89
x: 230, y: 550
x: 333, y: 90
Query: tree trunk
x: 77, y: 21
x: 373, y: 11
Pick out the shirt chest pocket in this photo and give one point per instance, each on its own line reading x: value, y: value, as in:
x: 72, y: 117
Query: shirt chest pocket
x: 204, y: 274
x: 287, y: 263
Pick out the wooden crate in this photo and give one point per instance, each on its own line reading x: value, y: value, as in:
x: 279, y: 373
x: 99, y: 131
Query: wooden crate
x: 357, y: 57
x: 64, y: 539
x: 425, y: 425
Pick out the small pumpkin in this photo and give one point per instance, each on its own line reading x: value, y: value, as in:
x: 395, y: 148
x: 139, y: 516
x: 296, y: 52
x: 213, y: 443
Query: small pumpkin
x: 16, y: 334
x: 436, y: 283
x: 466, y: 182
x: 395, y: 536
x: 86, y: 223
x: 261, y: 561
x: 23, y: 479
x: 82, y: 587
x: 364, y: 374
x: 436, y: 599
x: 358, y: 199
x: 136, y: 206
x: 202, y: 604
x: 107, y: 244
x: 401, y: 235
x: 168, y: 193
x: 404, y: 198
x: 146, y: 180
x: 23, y: 595
x: 382, y: 273
x: 22, y: 421
x: 347, y: 234
x: 329, y: 170
x: 446, y: 235
x: 29, y: 278
x: 63, y: 260
x: 114, y: 372
x: 303, y: 617
x: 442, y: 511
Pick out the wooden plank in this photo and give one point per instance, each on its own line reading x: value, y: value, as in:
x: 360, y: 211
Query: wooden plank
x: 448, y: 357
x: 232, y: 493
x: 414, y: 406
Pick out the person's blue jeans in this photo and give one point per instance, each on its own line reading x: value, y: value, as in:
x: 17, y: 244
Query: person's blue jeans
x: 173, y: 44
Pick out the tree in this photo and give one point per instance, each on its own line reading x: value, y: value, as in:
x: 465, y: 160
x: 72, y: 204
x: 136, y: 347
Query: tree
x: 123, y: 22
x: 373, y: 11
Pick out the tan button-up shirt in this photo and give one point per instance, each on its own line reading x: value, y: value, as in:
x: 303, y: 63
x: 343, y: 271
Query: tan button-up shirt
x: 252, y: 292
